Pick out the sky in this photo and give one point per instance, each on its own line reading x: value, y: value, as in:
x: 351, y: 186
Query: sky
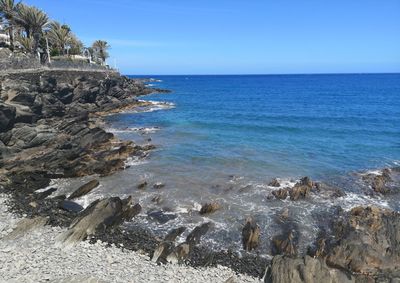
x: 164, y: 37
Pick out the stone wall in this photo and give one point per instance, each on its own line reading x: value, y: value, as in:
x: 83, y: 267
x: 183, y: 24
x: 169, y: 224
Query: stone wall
x: 11, y: 62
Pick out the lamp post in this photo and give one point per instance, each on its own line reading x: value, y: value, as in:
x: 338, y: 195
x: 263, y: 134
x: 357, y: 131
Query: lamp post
x: 48, y: 51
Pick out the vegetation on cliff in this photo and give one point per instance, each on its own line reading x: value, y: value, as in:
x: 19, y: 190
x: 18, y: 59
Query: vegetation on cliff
x: 30, y: 30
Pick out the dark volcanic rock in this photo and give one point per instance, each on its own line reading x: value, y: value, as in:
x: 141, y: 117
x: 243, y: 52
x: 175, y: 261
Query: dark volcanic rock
x: 210, y: 208
x: 284, y: 269
x: 158, y: 186
x: 142, y: 185
x: 250, y: 235
x: 195, y: 236
x: 381, y: 183
x: 368, y: 242
x: 174, y: 233
x: 45, y: 194
x: 7, y: 117
x: 84, y: 189
x: 284, y: 244
x: 161, y: 217
x: 281, y: 193
x: 71, y: 206
x: 302, y: 189
x: 99, y: 215
x: 274, y: 183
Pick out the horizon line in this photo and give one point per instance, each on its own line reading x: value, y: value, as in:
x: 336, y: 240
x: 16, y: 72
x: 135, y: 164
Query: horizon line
x: 271, y: 74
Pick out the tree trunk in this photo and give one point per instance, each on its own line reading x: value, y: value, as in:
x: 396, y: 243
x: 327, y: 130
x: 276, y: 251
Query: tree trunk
x: 36, y: 38
x: 11, y: 34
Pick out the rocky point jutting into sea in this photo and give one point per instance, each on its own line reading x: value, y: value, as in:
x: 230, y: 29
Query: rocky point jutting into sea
x: 51, y: 128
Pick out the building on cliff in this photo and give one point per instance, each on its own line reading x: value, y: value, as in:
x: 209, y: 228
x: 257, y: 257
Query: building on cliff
x: 4, y: 37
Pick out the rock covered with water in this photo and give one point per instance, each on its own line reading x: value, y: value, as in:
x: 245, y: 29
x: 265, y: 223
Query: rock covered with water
x: 385, y: 182
x: 211, y: 207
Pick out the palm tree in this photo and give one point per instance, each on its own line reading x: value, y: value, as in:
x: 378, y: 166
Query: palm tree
x: 7, y: 10
x: 26, y: 43
x: 75, y: 46
x: 33, y: 21
x: 100, y: 48
x: 59, y: 36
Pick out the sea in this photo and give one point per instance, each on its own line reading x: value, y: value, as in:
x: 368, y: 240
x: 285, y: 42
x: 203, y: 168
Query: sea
x: 224, y: 138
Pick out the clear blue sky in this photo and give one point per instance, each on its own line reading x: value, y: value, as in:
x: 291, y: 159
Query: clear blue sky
x: 238, y: 36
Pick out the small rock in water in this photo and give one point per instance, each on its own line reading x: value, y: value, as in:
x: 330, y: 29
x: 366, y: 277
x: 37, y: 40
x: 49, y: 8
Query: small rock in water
x: 158, y: 185
x: 281, y: 193
x: 157, y: 199
x: 302, y: 189
x: 142, y: 185
x: 250, y: 235
x: 245, y: 189
x: 274, y: 183
x: 210, y: 208
x: 85, y: 189
x: 161, y: 217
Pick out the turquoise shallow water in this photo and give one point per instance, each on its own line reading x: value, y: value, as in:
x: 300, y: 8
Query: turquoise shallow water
x: 223, y: 138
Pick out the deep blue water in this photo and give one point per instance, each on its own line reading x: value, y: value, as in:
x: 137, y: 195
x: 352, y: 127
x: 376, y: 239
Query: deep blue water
x: 276, y: 125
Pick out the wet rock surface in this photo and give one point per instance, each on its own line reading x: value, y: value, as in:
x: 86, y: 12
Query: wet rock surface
x: 211, y: 207
x: 84, y: 189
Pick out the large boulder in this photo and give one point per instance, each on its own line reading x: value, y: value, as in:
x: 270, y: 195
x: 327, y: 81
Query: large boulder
x: 284, y: 269
x: 99, y: 216
x: 380, y: 183
x: 7, y: 117
x: 301, y: 189
x: 368, y: 242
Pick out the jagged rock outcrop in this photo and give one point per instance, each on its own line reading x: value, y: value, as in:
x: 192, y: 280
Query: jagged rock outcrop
x: 7, y: 117
x: 84, y: 189
x: 250, y: 235
x: 285, y: 269
x: 385, y: 182
x: 168, y: 251
x: 99, y: 215
x: 368, y: 242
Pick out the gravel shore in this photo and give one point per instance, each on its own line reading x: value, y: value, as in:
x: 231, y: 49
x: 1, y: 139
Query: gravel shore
x: 35, y: 257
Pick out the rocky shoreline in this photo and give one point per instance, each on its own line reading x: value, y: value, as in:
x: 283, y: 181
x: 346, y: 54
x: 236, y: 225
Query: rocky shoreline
x: 50, y: 128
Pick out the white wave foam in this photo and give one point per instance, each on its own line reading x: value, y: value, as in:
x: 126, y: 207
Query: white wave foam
x: 141, y: 130
x: 352, y: 199
x: 155, y: 106
x: 134, y: 161
x: 371, y: 172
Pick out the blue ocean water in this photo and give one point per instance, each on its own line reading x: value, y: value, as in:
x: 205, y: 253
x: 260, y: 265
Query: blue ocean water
x: 223, y: 138
x: 276, y: 125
